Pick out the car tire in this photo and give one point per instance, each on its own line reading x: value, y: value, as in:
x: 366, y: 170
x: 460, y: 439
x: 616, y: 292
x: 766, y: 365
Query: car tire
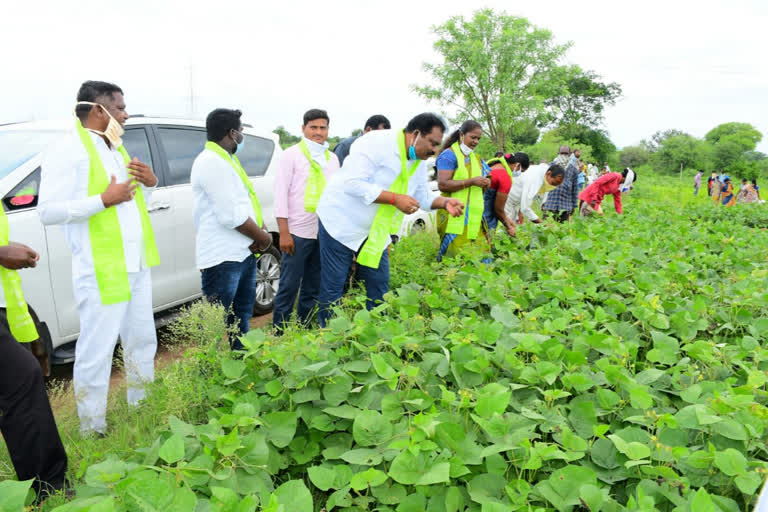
x: 267, y: 281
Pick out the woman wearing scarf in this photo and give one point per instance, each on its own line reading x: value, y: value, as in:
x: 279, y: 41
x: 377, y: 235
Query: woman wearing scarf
x: 462, y: 175
x: 747, y: 194
x: 628, y: 180
x: 591, y: 198
x: 536, y: 181
x: 716, y: 187
x: 727, y: 197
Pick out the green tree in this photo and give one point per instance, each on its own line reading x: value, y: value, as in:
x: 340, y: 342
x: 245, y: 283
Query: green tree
x: 549, y: 145
x: 634, y: 156
x: 581, y: 98
x: 286, y: 139
x: 658, y: 138
x: 522, y: 133
x: 603, y: 150
x: 731, y: 143
x: 356, y: 132
x: 495, y: 68
x: 684, y: 149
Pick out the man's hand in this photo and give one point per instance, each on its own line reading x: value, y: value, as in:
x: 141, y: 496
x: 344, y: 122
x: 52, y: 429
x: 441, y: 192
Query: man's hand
x: 286, y: 243
x: 454, y: 207
x: 117, y: 193
x: 479, y: 181
x: 511, y: 231
x: 142, y: 172
x: 520, y: 218
x: 16, y: 256
x: 406, y: 204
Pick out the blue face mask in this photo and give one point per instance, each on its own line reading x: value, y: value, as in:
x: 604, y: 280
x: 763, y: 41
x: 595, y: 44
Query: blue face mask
x: 240, y: 144
x: 412, y: 149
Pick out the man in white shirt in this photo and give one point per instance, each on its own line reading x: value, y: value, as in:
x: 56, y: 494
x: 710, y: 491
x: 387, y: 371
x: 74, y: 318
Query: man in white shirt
x: 384, y: 177
x: 537, y: 180
x: 89, y: 186
x: 302, y: 172
x: 228, y: 221
x: 26, y: 419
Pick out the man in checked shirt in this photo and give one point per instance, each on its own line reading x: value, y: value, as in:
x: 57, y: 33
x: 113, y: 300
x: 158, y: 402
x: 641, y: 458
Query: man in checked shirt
x: 562, y: 201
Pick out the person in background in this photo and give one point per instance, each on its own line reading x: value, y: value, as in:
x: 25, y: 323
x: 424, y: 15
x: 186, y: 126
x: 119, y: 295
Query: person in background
x: 302, y: 172
x: 697, y: 183
x: 536, y: 181
x: 727, y: 195
x: 228, y: 222
x: 376, y: 122
x: 581, y: 178
x: 26, y: 418
x: 629, y: 180
x: 501, y: 176
x: 561, y: 202
x: 711, y: 182
x: 384, y: 177
x: 523, y: 162
x: 757, y: 189
x: 717, y: 185
x: 90, y: 185
x: 591, y: 197
x: 462, y: 174
x: 747, y: 193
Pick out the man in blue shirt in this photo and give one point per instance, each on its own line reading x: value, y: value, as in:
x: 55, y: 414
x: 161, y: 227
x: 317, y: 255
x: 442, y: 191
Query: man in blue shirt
x: 562, y: 201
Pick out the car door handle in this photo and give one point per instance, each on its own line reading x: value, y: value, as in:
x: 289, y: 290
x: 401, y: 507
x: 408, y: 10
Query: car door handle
x: 159, y: 206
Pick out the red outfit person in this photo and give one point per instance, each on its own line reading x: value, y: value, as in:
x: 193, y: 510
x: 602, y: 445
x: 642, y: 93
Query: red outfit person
x: 605, y: 184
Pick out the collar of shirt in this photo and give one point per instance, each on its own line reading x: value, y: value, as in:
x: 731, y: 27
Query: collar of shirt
x: 317, y: 151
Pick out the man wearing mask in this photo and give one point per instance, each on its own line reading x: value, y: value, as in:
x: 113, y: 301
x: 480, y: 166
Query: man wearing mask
x: 26, y: 419
x: 562, y: 201
x: 228, y: 221
x: 301, y: 176
x: 90, y: 185
x: 377, y: 122
x: 384, y: 178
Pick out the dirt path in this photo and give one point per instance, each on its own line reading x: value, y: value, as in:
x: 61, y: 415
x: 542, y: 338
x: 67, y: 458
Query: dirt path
x: 61, y: 375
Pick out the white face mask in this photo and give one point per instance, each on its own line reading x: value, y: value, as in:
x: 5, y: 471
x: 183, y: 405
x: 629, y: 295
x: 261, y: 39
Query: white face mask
x: 114, y: 131
x: 464, y: 148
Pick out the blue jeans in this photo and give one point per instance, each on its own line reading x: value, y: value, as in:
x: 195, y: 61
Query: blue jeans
x: 336, y: 260
x: 233, y: 285
x: 299, y: 275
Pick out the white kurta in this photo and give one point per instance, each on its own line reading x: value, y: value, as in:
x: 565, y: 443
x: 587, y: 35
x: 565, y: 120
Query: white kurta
x: 524, y: 190
x: 64, y: 200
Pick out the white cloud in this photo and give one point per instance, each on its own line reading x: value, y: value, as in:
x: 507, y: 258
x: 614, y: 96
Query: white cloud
x: 682, y: 64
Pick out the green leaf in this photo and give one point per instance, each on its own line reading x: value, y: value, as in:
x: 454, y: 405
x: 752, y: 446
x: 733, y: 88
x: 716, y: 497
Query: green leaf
x: 382, y: 368
x: 370, y: 477
x: 280, y: 427
x: 633, y: 450
x: 730, y: 429
x: 454, y: 500
x: 322, y: 477
x: 273, y: 387
x: 172, y: 449
x: 304, y: 395
x: 583, y: 418
x: 336, y: 391
x: 592, y: 496
x: 573, y: 442
x: 229, y: 444
x: 748, y: 483
x: 294, y: 496
x: 640, y: 398
x: 233, y: 368
x: 493, y: 399
x: 406, y: 468
x: 362, y: 457
x: 702, y: 502
x: 343, y: 411
x: 731, y: 462
x: 371, y: 429
x: 13, y: 495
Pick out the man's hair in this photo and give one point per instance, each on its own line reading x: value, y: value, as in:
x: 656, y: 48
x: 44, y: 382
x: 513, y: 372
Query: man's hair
x: 315, y: 113
x: 220, y: 121
x: 425, y: 123
x: 374, y: 122
x: 564, y: 149
x: 523, y: 160
x: 91, y: 90
x: 498, y: 154
x: 556, y: 170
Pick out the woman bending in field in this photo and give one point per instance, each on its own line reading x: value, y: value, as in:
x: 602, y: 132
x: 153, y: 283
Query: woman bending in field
x: 727, y: 196
x: 591, y: 198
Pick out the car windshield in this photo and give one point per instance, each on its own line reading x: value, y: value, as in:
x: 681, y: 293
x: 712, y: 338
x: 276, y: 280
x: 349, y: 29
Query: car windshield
x: 18, y: 146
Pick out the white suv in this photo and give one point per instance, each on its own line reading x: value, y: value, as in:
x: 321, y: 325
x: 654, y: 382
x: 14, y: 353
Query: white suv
x: 169, y: 146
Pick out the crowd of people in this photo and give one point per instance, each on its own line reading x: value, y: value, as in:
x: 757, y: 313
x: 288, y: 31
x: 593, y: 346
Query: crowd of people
x: 335, y: 211
x: 721, y: 190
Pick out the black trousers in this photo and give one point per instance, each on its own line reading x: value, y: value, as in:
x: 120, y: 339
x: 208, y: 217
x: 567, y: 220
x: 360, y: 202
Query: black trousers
x: 559, y: 215
x: 26, y: 418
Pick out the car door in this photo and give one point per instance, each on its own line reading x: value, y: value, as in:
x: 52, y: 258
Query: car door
x: 139, y: 142
x: 179, y: 146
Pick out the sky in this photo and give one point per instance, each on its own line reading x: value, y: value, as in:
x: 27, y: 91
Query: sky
x: 688, y: 65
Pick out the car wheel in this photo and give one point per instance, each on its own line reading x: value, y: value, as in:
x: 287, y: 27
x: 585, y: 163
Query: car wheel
x: 267, y: 281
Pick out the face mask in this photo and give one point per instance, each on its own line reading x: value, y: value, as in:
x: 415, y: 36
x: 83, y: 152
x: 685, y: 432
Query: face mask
x: 412, y: 149
x: 464, y: 148
x: 114, y: 130
x: 240, y: 144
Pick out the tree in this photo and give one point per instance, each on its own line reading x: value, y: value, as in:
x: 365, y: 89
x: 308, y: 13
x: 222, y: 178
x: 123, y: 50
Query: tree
x: 658, y: 138
x: 634, y: 156
x: 603, y: 150
x: 495, y: 68
x: 731, y: 143
x: 286, y: 139
x: 522, y: 133
x: 582, y: 97
x: 356, y: 132
x: 683, y: 149
x: 549, y: 145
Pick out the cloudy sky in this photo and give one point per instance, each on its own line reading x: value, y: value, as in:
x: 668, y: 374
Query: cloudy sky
x: 688, y: 65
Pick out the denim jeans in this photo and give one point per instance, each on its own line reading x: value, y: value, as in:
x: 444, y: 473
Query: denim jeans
x: 299, y: 275
x: 233, y: 285
x: 336, y: 260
